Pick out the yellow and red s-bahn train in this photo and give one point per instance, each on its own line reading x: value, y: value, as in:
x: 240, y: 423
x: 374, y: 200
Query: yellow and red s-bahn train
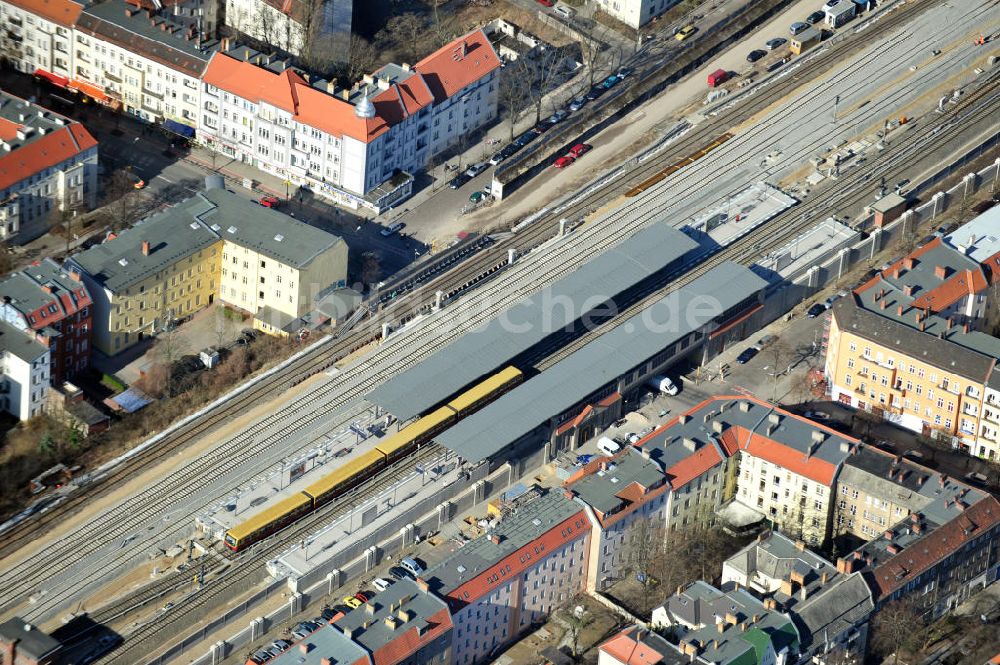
x: 359, y: 469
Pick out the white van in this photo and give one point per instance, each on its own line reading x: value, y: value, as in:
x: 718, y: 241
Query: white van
x: 607, y: 446
x: 565, y: 11
x: 664, y: 385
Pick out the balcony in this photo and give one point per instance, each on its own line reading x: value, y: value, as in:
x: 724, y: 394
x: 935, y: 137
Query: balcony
x: 13, y: 20
x: 154, y: 95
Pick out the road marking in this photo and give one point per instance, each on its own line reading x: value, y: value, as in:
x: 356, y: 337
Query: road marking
x: 163, y: 178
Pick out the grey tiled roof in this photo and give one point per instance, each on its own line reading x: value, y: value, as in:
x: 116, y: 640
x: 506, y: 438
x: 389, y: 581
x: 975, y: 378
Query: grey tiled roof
x: 20, y: 344
x: 405, y: 595
x: 41, y: 121
x: 327, y: 642
x: 599, y: 489
x: 31, y: 640
x: 836, y: 607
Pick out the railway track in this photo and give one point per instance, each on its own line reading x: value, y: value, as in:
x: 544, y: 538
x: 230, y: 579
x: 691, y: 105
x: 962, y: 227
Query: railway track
x: 317, y: 403
x: 247, y: 570
x: 474, y: 271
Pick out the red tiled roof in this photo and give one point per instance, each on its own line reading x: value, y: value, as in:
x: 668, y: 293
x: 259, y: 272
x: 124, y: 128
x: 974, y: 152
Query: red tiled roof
x: 249, y: 81
x: 995, y: 660
x: 950, y: 291
x: 992, y: 266
x: 8, y: 129
x: 573, y: 527
x: 693, y: 465
x: 63, y: 12
x: 899, y: 263
x: 920, y: 556
x: 407, y: 643
x: 447, y: 71
x: 789, y: 458
x: 44, y: 152
x: 624, y: 648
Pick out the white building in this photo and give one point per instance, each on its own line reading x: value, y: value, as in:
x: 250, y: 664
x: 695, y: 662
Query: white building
x: 37, y: 36
x: 283, y: 24
x: 25, y: 370
x: 149, y: 60
x: 47, y: 163
x: 355, y: 146
x: 635, y: 13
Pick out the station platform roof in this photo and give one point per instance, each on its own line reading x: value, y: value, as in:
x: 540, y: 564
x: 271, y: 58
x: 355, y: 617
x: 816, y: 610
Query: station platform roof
x: 478, y: 353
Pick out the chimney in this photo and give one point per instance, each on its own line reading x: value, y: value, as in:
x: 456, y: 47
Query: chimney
x: 645, y: 452
x: 774, y: 418
x: 718, y: 426
x: 721, y: 627
x: 895, y: 272
x: 770, y: 604
x: 818, y: 436
x: 910, y: 262
x: 495, y: 538
x: 732, y: 618
x: 406, y: 67
x: 47, y: 288
x: 888, y: 535
x: 908, y: 289
x: 824, y: 577
x: 325, y: 661
x: 965, y: 327
x: 145, y: 248
x: 800, y: 545
x: 803, y: 594
x: 899, y: 311
x: 346, y: 630
x: 465, y: 49
x: 883, y: 304
x: 689, y: 444
x: 75, y: 275
x: 917, y: 528
x: 940, y: 272
x: 422, y: 585
x: 950, y: 322
x: 923, y: 326
x: 331, y: 87
x: 304, y: 647
x: 683, y: 419
x: 770, y: 429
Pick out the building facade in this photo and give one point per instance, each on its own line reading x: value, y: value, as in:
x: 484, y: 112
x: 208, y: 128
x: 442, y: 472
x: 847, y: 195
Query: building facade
x: 48, y: 164
x: 38, y: 36
x: 345, y: 143
x: 21, y: 643
x: 283, y: 24
x: 635, y: 13
x: 26, y: 370
x: 52, y: 305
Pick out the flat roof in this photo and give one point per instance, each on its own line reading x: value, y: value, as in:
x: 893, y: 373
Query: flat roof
x: 601, y: 490
x: 602, y: 360
x: 20, y: 344
x: 978, y: 239
x: 479, y: 352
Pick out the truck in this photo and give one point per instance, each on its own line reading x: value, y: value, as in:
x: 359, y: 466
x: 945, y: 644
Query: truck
x: 664, y: 385
x: 717, y: 78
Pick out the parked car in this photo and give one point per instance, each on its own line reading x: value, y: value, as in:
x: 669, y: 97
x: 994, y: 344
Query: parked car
x: 398, y: 573
x: 915, y: 455
x: 624, y: 73
x: 477, y: 196
x: 747, y: 355
x: 557, y: 117
x: 777, y: 42
x: 526, y: 138
x: 685, y: 32
x: 459, y: 180
x: 351, y: 602
x: 280, y: 645
x: 577, y: 103
x: 579, y: 150
x: 476, y: 169
x: 392, y: 228
x: 565, y: 11
x: 269, y: 201
x: 756, y: 55
x: 546, y: 3
x: 563, y: 162
x: 976, y: 478
x: 609, y: 82
x: 328, y: 613
x: 595, y: 92
x: 815, y: 17
x: 815, y: 310
x: 261, y: 656
x: 766, y: 341
x: 817, y: 415
x: 798, y: 27
x: 498, y: 157
x: 830, y: 5
x: 381, y: 584
x: 411, y: 566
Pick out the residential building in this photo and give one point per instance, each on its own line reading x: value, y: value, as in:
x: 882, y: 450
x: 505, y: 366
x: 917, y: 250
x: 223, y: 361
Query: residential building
x: 150, y: 58
x: 66, y: 403
x: 636, y: 645
x: 214, y: 244
x: 21, y: 643
x: 26, y: 372
x: 283, y: 24
x: 328, y: 644
x: 273, y: 266
x: 352, y: 145
x: 830, y: 609
x: 499, y: 584
x: 635, y: 13
x: 38, y: 36
x: 937, y: 557
x: 162, y: 269
x: 905, y: 345
x: 727, y: 627
x: 52, y: 305
x: 620, y: 494
x: 403, y: 625
x: 48, y: 163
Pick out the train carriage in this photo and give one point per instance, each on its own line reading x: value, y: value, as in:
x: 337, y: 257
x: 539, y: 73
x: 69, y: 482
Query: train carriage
x: 268, y: 521
x: 416, y: 433
x: 486, y: 391
x: 346, y: 477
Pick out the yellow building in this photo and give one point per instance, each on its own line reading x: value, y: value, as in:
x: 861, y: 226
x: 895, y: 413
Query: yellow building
x: 164, y: 268
x: 904, y: 346
x: 212, y: 245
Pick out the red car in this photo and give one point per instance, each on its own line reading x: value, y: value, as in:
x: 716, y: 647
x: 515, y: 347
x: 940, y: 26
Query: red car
x: 269, y: 201
x: 579, y: 150
x: 547, y: 3
x: 362, y: 597
x: 563, y: 162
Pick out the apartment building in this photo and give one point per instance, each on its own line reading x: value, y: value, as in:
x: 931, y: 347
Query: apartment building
x: 37, y: 36
x: 354, y: 145
x: 171, y: 265
x: 637, y: 645
x: 283, y: 24
x: 727, y: 627
x: 150, y: 58
x: 52, y: 305
x: 937, y: 557
x: 907, y: 343
x: 272, y: 266
x: 830, y: 609
x: 48, y: 163
x: 25, y: 370
x: 618, y: 495
x: 499, y: 584
x: 635, y: 13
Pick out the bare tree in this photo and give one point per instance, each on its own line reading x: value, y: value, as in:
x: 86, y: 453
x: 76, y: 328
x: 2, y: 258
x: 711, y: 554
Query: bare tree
x: 512, y: 93
x: 542, y: 72
x: 577, y: 622
x: 361, y: 58
x: 371, y: 269
x: 897, y: 627
x: 123, y: 206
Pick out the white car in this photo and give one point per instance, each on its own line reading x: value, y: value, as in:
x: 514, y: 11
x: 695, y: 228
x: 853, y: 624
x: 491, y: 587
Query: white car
x: 381, y: 584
